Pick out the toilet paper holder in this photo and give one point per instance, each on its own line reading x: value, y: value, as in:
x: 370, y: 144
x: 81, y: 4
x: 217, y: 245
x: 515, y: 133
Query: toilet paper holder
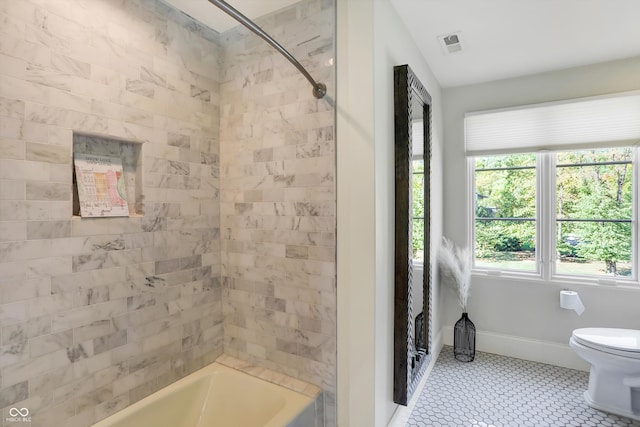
x: 570, y: 300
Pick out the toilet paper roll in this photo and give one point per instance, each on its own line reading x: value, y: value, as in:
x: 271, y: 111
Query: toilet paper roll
x: 571, y: 301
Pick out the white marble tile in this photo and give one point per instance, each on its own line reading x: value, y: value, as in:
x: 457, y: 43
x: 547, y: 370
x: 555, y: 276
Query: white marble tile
x: 24, y: 370
x: 49, y: 304
x: 17, y: 288
x: 24, y: 170
x: 11, y: 66
x: 11, y: 108
x: 60, y: 172
x: 12, y: 26
x: 50, y: 343
x: 36, y: 190
x: 92, y: 330
x: 57, y: 116
x: 12, y: 230
x: 50, y: 266
x: 10, y: 127
x: 70, y: 100
x: 16, y: 88
x: 12, y: 149
x: 24, y: 49
x: 86, y: 67
x: 20, y: 332
x: 11, y: 210
x: 86, y: 315
x: 48, y: 229
x: 36, y: 132
x: 70, y: 66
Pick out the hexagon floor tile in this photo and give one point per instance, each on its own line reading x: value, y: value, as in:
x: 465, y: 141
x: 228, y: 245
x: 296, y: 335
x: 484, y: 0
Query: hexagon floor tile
x: 499, y: 391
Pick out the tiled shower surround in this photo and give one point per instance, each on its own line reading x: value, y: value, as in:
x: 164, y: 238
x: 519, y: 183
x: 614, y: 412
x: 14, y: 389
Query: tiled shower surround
x: 233, y: 246
x: 278, y: 209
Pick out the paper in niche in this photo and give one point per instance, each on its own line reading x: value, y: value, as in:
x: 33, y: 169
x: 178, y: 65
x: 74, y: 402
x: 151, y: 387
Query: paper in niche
x: 101, y: 186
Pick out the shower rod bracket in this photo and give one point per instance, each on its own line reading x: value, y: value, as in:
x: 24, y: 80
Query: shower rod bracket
x: 319, y: 89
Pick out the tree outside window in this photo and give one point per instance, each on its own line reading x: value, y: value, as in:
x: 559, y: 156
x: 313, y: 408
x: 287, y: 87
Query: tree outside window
x: 594, y: 203
x: 417, y: 205
x: 505, y: 211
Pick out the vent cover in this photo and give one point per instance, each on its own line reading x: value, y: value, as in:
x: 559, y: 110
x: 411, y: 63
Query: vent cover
x: 451, y: 43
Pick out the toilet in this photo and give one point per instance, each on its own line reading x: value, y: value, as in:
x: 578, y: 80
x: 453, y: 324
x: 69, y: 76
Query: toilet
x: 614, y: 379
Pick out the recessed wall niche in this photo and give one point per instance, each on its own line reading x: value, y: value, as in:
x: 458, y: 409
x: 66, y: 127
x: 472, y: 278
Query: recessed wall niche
x: 130, y: 153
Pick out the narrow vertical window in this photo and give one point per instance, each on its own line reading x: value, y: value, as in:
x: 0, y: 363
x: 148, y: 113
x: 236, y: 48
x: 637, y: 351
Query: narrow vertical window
x: 505, y: 212
x: 594, y: 211
x: 417, y: 190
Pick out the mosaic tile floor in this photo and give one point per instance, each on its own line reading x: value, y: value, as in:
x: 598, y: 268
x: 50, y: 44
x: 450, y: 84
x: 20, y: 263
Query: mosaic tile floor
x: 498, y: 391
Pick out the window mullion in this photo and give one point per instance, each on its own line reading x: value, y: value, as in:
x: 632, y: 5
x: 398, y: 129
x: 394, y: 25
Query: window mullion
x: 635, y: 191
x: 471, y: 224
x: 541, y: 252
x: 546, y: 213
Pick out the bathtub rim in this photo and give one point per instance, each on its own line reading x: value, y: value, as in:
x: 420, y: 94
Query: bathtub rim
x: 271, y: 376
x: 281, y: 418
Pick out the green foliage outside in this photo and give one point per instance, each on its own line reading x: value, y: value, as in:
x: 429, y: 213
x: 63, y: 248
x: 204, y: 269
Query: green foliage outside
x: 590, y: 191
x: 597, y: 192
x: 417, y: 205
x: 503, y: 193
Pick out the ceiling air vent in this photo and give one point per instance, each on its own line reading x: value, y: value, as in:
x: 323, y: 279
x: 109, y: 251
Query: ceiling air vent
x: 451, y: 43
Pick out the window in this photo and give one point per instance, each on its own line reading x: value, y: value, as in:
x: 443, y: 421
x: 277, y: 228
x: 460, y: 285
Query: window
x: 417, y: 189
x: 594, y: 210
x: 417, y: 205
x: 556, y: 214
x: 552, y: 189
x: 505, y: 212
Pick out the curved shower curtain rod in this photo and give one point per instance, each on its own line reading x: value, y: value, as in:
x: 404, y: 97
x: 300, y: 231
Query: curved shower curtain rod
x: 319, y: 89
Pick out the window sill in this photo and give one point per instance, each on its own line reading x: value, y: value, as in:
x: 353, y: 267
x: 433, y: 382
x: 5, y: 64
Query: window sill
x: 418, y: 264
x: 556, y: 279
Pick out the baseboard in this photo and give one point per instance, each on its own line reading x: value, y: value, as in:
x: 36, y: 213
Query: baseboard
x: 523, y: 348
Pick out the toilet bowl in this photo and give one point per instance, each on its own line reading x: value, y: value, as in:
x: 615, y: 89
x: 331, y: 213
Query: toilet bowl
x: 614, y: 379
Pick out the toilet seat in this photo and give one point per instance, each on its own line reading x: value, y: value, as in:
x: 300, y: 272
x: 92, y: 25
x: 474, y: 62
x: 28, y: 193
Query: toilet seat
x: 621, y: 342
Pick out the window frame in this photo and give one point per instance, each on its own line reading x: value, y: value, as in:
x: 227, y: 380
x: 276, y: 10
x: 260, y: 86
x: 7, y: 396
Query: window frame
x: 546, y: 225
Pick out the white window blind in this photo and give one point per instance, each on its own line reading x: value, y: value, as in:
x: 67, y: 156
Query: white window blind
x: 417, y: 131
x: 603, y: 121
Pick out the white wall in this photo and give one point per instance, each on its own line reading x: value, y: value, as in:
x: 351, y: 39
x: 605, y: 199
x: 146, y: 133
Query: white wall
x: 520, y: 317
x: 393, y: 45
x: 355, y: 214
x: 371, y: 36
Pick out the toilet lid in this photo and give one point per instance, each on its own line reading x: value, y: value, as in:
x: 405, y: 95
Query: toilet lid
x: 617, y: 339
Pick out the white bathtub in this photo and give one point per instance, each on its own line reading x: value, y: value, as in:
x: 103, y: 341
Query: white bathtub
x: 215, y: 396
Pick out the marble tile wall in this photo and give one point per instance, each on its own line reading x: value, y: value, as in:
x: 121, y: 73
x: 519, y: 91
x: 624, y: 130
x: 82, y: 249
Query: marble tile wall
x: 278, y: 201
x: 97, y: 313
